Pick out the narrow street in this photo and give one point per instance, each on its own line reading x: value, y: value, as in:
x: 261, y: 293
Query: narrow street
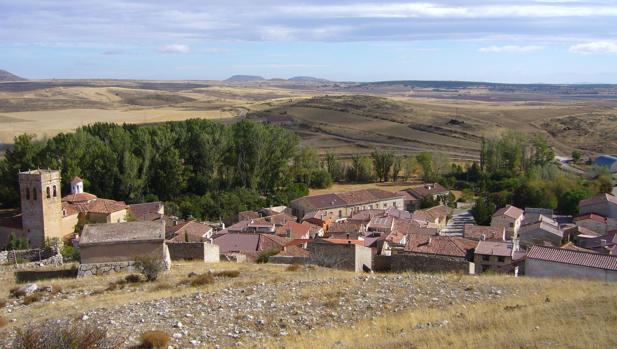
x: 456, y: 225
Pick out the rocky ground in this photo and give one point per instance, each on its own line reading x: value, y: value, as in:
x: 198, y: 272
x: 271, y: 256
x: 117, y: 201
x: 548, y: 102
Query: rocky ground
x: 245, y: 313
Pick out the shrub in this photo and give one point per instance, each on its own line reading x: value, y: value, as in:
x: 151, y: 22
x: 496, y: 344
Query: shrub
x: 203, y: 279
x: 150, y: 267
x: 228, y: 273
x: 70, y: 253
x: 132, y: 278
x: 154, y: 339
x: 65, y: 335
x: 3, y: 321
x: 264, y: 256
x: 13, y: 292
x: 293, y: 267
x: 33, y: 298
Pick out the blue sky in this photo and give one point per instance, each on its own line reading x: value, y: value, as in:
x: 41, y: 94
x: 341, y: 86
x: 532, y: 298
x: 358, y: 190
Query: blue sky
x: 503, y: 41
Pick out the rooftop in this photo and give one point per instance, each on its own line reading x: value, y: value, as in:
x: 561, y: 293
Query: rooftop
x: 494, y: 248
x: 122, y: 232
x: 356, y: 197
x: 599, y: 199
x: 439, y: 245
x: 509, y: 211
x: 585, y: 259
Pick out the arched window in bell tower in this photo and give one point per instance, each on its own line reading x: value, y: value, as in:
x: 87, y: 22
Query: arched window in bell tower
x: 48, y: 193
x: 55, y: 191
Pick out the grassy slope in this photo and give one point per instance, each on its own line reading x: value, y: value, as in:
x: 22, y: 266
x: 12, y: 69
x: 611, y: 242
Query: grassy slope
x: 545, y: 314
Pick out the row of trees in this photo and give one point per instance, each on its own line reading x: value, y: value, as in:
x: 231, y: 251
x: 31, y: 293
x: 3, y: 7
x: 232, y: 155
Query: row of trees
x: 207, y: 169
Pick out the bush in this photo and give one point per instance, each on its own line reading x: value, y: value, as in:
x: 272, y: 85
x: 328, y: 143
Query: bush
x: 33, y: 298
x: 3, y: 321
x: 228, y: 273
x: 132, y: 279
x: 70, y: 253
x: 150, y: 267
x: 264, y: 256
x: 65, y: 335
x: 201, y: 280
x: 154, y: 339
x: 293, y: 267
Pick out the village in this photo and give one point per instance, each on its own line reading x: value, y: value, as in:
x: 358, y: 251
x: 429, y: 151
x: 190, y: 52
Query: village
x: 369, y: 230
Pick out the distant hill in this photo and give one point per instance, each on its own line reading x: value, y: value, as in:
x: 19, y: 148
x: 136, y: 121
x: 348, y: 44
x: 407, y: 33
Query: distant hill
x: 308, y: 79
x: 6, y: 76
x: 240, y: 78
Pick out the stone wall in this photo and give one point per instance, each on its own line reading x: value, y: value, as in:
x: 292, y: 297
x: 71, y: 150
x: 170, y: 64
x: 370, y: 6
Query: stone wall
x: 428, y: 263
x: 204, y: 251
x: 382, y: 263
x: 33, y: 255
x: 288, y: 260
x: 92, y: 269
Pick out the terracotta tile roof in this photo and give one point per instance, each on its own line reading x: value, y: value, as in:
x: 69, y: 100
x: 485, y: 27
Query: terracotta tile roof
x: 79, y: 198
x: 599, y: 199
x: 479, y: 232
x: 319, y: 214
x: 494, y: 248
x: 439, y: 211
x: 586, y: 259
x: 407, y: 196
x: 509, y: 211
x: 294, y: 230
x: 122, y: 232
x: 248, y: 215
x: 365, y: 216
x: 577, y: 230
x: 609, y: 239
x: 356, y: 197
x: 293, y: 251
x: 146, y: 210
x: 591, y: 216
x: 439, y: 245
x: 530, y: 228
x: 395, y: 212
x: 237, y: 243
x: 191, y: 231
x: 76, y: 180
x: 280, y: 219
x: 105, y: 206
x: 269, y: 242
x: 571, y: 246
x: 344, y: 227
x: 338, y: 241
x: 69, y: 209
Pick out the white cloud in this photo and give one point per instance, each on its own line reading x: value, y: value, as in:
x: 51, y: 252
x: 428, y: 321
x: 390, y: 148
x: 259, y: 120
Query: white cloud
x: 511, y: 49
x: 595, y: 47
x: 174, y: 48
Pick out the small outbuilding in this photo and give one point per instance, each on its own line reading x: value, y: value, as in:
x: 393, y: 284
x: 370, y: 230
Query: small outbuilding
x: 116, y: 247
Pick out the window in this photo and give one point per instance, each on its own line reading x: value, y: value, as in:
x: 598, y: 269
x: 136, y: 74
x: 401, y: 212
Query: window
x: 501, y: 259
x: 27, y: 194
x: 55, y: 191
x: 486, y: 258
x: 48, y: 192
x: 340, y: 214
x: 34, y: 194
x: 385, y: 205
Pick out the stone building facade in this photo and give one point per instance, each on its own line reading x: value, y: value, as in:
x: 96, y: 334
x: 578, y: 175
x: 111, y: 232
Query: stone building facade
x: 41, y: 205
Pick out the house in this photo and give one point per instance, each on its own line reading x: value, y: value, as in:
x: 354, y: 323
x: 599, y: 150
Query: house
x: 479, y: 233
x: 342, y: 205
x: 345, y: 229
x: 116, y: 247
x: 541, y: 233
x: 510, y: 218
x: 497, y: 256
x: 604, y: 205
x: 606, y: 244
x: 340, y: 254
x: 413, y: 196
x: 253, y: 226
x: 293, y: 230
x: 149, y: 211
x: 425, y: 253
x: 607, y: 161
x: 247, y: 216
x: 544, y: 261
x: 437, y: 215
x: 320, y: 218
x: 189, y: 231
x: 596, y: 223
x: 576, y: 234
x: 250, y: 245
x: 280, y: 219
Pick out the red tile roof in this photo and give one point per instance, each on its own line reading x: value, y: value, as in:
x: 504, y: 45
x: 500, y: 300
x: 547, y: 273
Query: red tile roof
x: 479, y: 232
x: 599, y: 199
x: 356, y: 197
x: 146, y: 209
x: 494, y: 248
x: 585, y: 259
x: 293, y: 251
x: 424, y: 190
x: 439, y: 245
x: 190, y: 231
x: 293, y: 230
x: 79, y: 198
x: 339, y: 241
x: 591, y: 216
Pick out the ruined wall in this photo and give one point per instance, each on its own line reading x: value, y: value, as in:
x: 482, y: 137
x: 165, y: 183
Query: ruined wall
x: 428, y: 263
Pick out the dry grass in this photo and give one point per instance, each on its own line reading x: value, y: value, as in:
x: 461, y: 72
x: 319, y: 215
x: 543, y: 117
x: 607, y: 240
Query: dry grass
x: 154, y: 339
x: 227, y: 273
x: 552, y: 313
x: 3, y: 321
x: 201, y: 280
x: 2, y: 303
x: 293, y: 267
x: 337, y: 187
x: 33, y: 298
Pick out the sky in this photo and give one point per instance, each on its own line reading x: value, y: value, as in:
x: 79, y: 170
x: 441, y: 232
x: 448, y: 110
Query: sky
x: 549, y: 41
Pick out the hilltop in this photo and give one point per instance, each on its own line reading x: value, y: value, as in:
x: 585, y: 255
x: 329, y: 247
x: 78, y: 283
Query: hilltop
x: 244, y: 78
x: 9, y: 77
x: 308, y: 79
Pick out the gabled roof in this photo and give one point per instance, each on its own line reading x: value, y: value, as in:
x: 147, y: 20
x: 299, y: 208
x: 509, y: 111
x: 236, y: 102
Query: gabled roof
x: 357, y: 197
x: 337, y: 242
x: 586, y: 259
x: 191, y: 231
x: 76, y: 180
x: 293, y: 251
x: 79, y: 198
x: 591, y: 216
x: 427, y: 189
x: 494, y: 248
x: 319, y: 214
x: 293, y: 230
x: 509, y: 211
x: 599, y: 199
x: 480, y: 232
x: 530, y: 228
x: 439, y: 245
x: 571, y: 246
x: 280, y: 218
x: 248, y: 215
x: 237, y: 243
x: 146, y: 209
x: 344, y: 227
